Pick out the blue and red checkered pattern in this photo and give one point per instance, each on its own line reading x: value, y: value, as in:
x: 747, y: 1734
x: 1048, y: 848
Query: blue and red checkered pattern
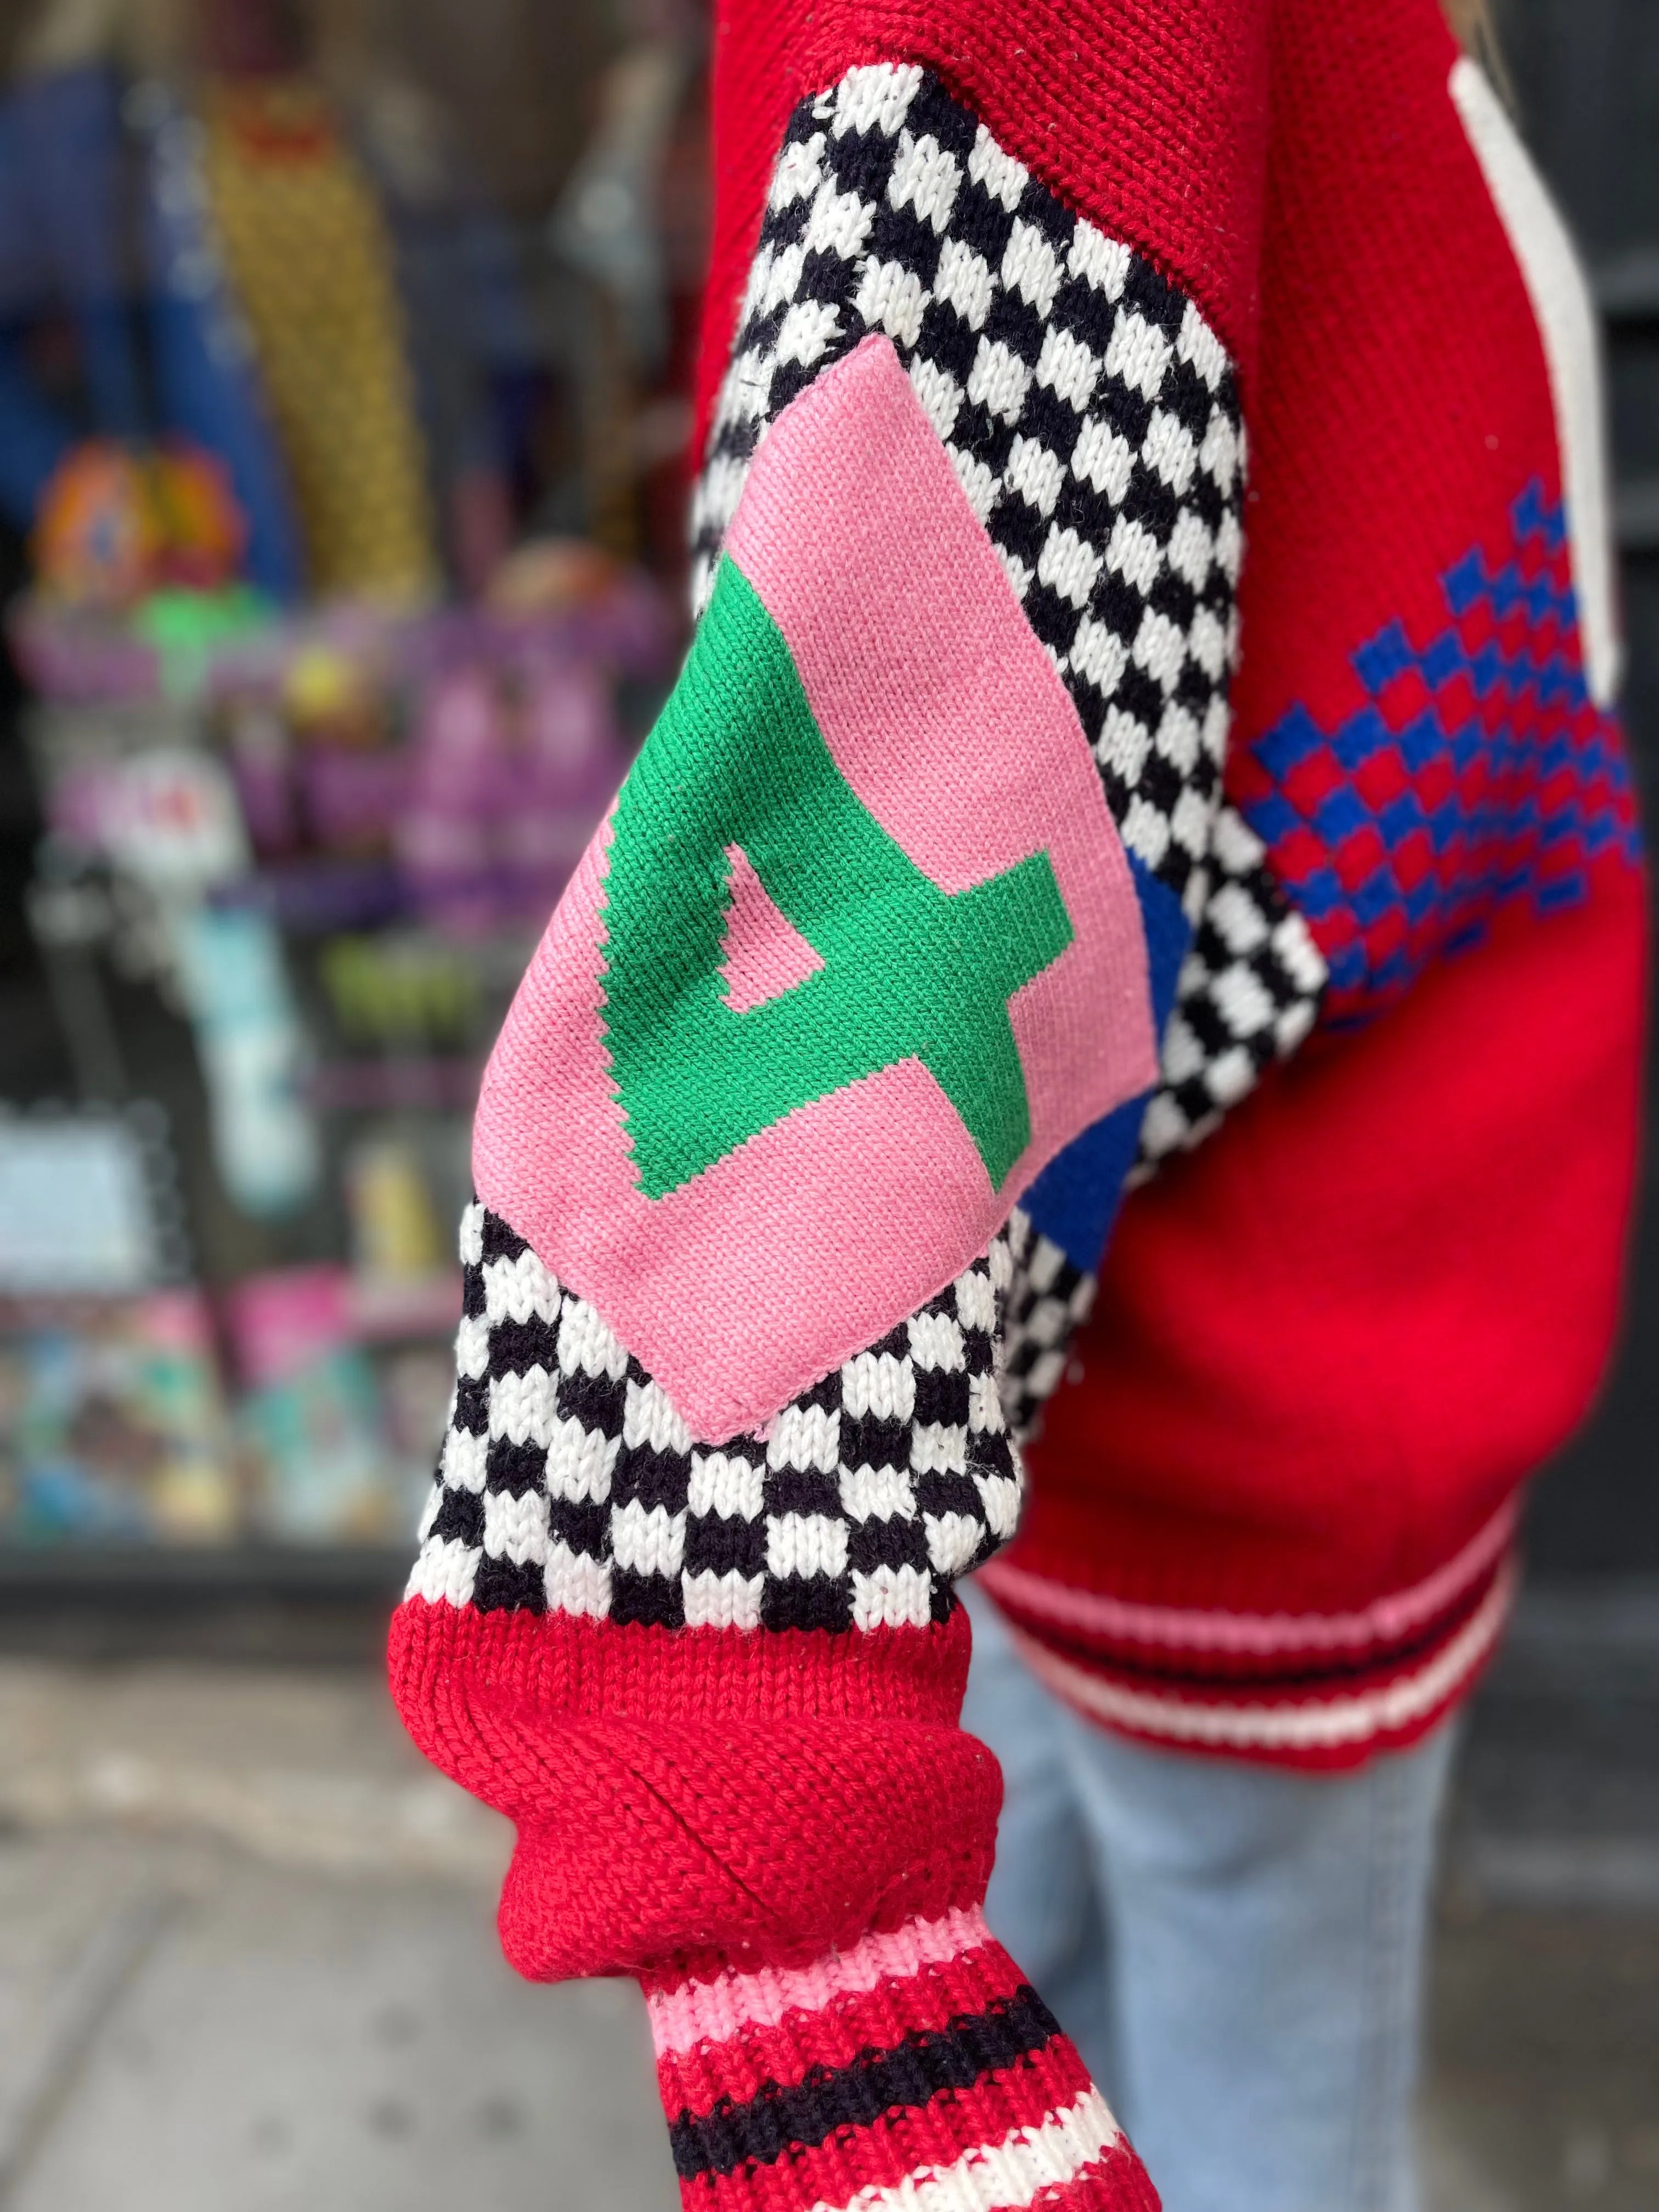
x: 1479, y: 770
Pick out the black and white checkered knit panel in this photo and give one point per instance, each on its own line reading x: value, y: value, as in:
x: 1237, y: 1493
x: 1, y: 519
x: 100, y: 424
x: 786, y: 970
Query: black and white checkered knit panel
x: 1090, y: 412
x: 568, y: 1482
x: 1248, y: 995
x: 1048, y: 1297
x: 1092, y: 418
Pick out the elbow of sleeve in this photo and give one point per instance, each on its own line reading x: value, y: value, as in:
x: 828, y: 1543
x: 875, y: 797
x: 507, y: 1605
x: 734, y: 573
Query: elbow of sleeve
x: 760, y: 1801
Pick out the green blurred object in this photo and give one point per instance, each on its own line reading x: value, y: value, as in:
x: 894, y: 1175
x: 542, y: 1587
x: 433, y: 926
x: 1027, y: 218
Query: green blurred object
x: 185, y: 629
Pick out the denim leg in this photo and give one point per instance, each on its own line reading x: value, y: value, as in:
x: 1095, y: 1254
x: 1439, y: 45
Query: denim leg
x: 1267, y: 1937
x: 1044, y: 1906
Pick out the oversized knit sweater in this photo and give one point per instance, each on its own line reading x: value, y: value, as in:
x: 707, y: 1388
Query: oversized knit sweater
x: 1149, y: 727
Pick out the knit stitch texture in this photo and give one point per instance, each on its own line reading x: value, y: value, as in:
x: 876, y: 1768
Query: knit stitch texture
x: 917, y: 2068
x: 1008, y: 832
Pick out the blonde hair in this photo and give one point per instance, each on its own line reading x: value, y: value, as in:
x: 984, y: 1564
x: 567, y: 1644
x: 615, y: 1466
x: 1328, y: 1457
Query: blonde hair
x: 1475, y: 27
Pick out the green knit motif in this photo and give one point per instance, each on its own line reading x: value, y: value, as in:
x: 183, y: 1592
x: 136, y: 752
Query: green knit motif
x: 910, y: 972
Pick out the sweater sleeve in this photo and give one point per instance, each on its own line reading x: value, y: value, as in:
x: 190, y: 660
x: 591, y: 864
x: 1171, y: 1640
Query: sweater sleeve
x: 806, y: 1131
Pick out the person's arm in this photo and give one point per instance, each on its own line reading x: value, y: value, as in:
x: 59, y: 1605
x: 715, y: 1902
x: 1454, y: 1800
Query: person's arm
x: 850, y: 1015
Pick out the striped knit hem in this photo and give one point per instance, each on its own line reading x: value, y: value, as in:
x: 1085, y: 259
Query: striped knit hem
x: 1213, y: 1632
x: 916, y: 2071
x: 1340, y: 1721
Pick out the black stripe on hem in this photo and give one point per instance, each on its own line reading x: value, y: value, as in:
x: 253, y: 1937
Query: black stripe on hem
x: 929, y: 2060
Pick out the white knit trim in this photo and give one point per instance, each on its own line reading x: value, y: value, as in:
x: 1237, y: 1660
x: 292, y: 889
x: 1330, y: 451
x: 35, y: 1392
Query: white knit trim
x: 1385, y: 1621
x: 1000, y: 2177
x: 1307, y: 1725
x: 1566, y: 324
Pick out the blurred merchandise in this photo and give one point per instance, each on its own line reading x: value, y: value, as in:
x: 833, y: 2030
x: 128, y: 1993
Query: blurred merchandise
x: 112, y: 1423
x: 96, y: 531
x: 308, y: 255
x: 399, y: 989
x: 89, y: 1206
x: 114, y: 524
x: 313, y: 864
x: 163, y: 812
x: 549, y: 576
x: 395, y: 1234
x: 252, y: 1052
x: 343, y: 403
x: 311, y: 1411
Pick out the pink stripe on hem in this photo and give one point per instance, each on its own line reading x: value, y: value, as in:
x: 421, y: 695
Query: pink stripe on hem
x: 711, y: 2012
x: 1298, y: 1724
x: 1257, y: 1634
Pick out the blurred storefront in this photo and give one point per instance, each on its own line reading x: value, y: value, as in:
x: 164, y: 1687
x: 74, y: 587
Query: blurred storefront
x: 344, y: 350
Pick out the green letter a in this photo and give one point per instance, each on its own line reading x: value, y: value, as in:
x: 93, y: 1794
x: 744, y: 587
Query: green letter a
x: 910, y: 972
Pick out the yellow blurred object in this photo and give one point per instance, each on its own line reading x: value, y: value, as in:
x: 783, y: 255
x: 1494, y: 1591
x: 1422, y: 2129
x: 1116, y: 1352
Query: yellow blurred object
x: 333, y: 699
x: 395, y: 1232
x: 310, y: 261
x: 193, y: 1503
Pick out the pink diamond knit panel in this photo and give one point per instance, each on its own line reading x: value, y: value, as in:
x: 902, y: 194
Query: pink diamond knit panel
x: 749, y: 1281
x: 1092, y: 417
x: 958, y: 737
x: 762, y: 954
x: 569, y: 1484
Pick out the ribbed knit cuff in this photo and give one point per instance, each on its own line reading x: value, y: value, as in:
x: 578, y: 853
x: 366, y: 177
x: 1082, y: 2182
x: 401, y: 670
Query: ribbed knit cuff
x: 917, y: 2071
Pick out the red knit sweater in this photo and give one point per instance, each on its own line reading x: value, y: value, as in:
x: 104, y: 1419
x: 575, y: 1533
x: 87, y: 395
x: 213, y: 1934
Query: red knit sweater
x: 1009, y: 836
x: 1276, y: 1515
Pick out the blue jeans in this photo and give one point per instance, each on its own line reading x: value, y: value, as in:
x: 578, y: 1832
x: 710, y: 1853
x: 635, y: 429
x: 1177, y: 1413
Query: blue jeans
x: 1236, y: 1950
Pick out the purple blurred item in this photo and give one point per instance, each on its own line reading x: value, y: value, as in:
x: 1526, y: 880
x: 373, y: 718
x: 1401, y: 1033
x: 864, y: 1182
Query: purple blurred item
x: 261, y: 759
x: 316, y: 896
x: 459, y: 787
x: 446, y: 1083
x: 511, y: 768
x: 352, y: 799
x: 570, y: 736
x: 82, y: 659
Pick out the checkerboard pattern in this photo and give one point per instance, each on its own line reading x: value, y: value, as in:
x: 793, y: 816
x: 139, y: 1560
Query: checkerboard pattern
x: 1090, y: 414
x: 1047, y: 1299
x: 1092, y: 418
x: 1478, y: 770
x: 1248, y: 995
x: 568, y: 1482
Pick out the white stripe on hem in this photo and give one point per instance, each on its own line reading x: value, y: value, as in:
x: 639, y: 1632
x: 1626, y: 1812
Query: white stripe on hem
x: 1006, y: 2176
x: 1307, y: 1726
x: 1195, y: 1629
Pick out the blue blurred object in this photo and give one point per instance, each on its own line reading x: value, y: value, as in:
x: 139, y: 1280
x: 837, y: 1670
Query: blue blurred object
x: 206, y: 375
x: 112, y: 228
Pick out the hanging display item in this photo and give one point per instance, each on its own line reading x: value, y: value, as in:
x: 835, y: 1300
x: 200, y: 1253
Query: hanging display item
x: 275, y: 347
x: 307, y: 252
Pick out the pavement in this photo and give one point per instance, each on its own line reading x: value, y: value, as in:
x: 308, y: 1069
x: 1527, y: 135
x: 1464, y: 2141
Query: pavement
x: 247, y: 1961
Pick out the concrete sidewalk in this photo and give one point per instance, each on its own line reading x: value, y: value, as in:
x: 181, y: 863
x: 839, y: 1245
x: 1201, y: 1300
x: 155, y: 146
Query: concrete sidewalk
x: 189, y: 2029
x: 247, y: 1964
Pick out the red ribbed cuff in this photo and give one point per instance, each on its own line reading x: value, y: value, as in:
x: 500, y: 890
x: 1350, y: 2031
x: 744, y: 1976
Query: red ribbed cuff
x: 704, y: 1793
